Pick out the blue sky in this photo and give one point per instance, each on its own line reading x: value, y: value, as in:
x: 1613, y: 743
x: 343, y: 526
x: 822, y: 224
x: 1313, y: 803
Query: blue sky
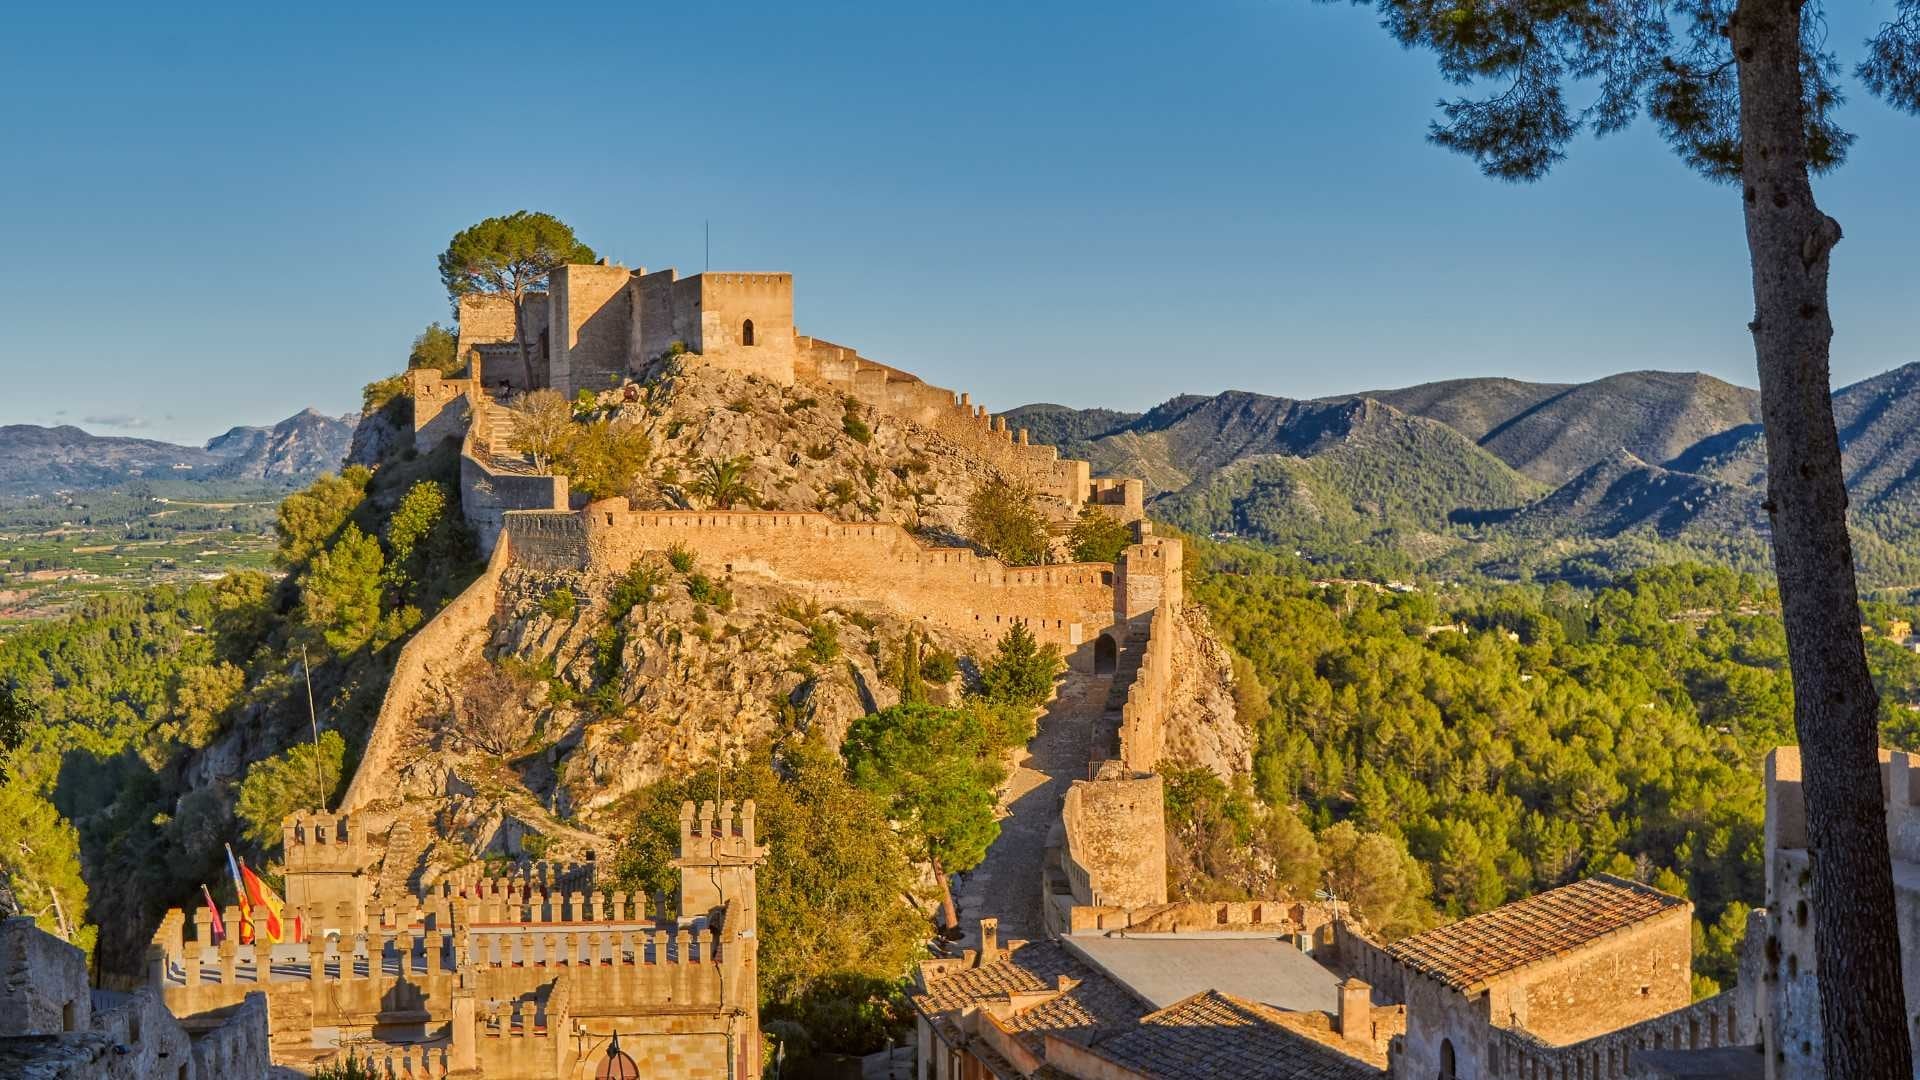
x: 224, y: 216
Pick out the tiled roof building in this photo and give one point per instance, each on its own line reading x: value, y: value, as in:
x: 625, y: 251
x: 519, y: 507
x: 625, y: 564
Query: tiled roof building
x: 1466, y: 954
x: 1215, y: 1036
x: 1038, y: 1011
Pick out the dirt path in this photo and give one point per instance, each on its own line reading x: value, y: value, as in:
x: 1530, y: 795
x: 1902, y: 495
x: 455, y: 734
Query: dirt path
x: 1006, y: 885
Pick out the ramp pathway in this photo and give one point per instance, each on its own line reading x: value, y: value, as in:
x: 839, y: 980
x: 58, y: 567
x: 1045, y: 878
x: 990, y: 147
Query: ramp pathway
x: 1007, y: 885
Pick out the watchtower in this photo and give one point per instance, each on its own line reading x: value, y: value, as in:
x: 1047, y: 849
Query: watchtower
x: 326, y: 858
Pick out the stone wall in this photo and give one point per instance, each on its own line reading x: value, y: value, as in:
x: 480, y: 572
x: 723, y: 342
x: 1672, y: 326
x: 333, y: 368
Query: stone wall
x: 441, y: 407
x: 863, y: 564
x: 450, y: 638
x: 590, y: 327
x: 952, y: 416
x: 1143, y: 715
x: 1115, y: 852
x: 1714, y: 1022
x: 54, y: 1027
x: 43, y: 982
x: 1633, y: 975
x: 487, y: 495
x: 485, y: 319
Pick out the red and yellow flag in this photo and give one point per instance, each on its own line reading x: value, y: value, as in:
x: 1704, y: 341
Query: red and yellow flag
x: 261, y: 895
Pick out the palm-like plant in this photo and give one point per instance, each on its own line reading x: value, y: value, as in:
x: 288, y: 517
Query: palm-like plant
x: 723, y: 482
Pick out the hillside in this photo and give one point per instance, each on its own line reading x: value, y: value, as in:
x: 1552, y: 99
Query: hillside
x: 1622, y: 493
x: 1344, y: 469
x: 40, y: 460
x: 1611, y: 470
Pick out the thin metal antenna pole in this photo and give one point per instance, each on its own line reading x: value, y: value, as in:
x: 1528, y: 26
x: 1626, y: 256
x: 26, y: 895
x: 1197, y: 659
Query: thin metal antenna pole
x: 313, y: 717
x: 709, y: 227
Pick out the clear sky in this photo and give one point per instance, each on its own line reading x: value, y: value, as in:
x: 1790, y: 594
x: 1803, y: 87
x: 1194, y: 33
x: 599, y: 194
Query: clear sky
x: 215, y: 217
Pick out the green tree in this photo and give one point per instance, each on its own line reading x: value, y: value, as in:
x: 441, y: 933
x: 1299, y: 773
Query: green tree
x: 836, y: 927
x: 604, y: 457
x: 13, y: 724
x: 340, y: 592
x: 298, y: 778
x: 1003, y: 521
x: 938, y: 768
x: 40, y: 865
x: 1098, y: 536
x: 434, y: 348
x: 509, y: 256
x: 1744, y: 92
x: 428, y: 543
x: 722, y: 483
x: 202, y: 696
x: 308, y: 520
x: 1021, y: 670
x: 1376, y: 875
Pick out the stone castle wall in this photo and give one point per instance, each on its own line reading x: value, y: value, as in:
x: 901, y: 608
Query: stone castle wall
x: 837, y: 561
x: 451, y: 637
x: 1116, y: 850
x: 950, y: 415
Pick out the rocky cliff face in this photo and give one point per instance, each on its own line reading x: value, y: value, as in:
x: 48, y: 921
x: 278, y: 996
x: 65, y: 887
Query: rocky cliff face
x: 596, y: 685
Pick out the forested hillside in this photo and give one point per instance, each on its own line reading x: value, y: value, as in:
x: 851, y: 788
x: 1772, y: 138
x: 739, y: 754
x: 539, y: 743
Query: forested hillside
x: 1511, y: 479
x: 1511, y: 738
x: 161, y: 723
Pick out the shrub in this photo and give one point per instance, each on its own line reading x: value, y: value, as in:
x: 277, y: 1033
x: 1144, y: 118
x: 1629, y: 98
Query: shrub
x: 560, y: 603
x: 856, y: 428
x: 823, y: 641
x: 680, y: 557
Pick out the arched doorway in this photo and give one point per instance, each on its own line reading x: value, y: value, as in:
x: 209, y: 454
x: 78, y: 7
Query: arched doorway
x: 746, y: 332
x: 1446, y: 1059
x: 617, y: 1065
x: 1106, y: 655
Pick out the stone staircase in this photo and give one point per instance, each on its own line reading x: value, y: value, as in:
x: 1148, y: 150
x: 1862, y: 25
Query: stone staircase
x: 407, y: 843
x: 494, y: 428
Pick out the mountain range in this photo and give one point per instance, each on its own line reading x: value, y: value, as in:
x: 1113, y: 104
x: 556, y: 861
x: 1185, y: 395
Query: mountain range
x: 1490, y: 470
x: 38, y: 460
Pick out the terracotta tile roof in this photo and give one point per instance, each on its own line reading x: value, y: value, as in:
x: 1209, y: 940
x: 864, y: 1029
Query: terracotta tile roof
x: 1093, y: 1007
x: 1215, y: 1036
x: 1465, y: 954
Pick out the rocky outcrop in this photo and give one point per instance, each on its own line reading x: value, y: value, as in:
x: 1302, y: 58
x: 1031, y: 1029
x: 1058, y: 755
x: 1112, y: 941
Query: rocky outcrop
x: 1202, y: 726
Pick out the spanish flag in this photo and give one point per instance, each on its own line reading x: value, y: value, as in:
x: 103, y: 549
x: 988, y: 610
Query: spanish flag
x: 261, y: 895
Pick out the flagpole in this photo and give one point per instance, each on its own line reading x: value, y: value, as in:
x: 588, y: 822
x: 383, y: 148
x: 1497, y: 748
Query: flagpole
x: 313, y: 717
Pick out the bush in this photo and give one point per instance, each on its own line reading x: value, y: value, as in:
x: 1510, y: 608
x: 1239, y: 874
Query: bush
x: 680, y: 557
x: 823, y: 642
x: 856, y: 428
x: 560, y: 604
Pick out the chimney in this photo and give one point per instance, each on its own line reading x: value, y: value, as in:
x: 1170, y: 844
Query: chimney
x: 1355, y: 1021
x: 989, y: 941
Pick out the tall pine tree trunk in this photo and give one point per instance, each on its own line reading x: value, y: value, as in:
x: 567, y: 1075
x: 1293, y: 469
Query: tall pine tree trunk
x: 1856, y: 940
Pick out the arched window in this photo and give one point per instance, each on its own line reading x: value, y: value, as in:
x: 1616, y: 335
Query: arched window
x: 746, y: 332
x: 1446, y: 1059
x: 1106, y: 654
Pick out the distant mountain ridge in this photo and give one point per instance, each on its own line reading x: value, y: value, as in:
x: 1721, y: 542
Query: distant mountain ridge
x: 1673, y: 456
x: 37, y: 460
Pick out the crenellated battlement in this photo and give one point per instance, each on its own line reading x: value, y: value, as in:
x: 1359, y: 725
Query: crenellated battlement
x: 317, y: 842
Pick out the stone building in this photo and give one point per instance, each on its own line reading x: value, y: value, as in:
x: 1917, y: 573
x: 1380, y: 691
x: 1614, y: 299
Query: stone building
x: 1574, y: 982
x: 54, y: 1026
x: 1061, y: 1008
x: 531, y: 978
